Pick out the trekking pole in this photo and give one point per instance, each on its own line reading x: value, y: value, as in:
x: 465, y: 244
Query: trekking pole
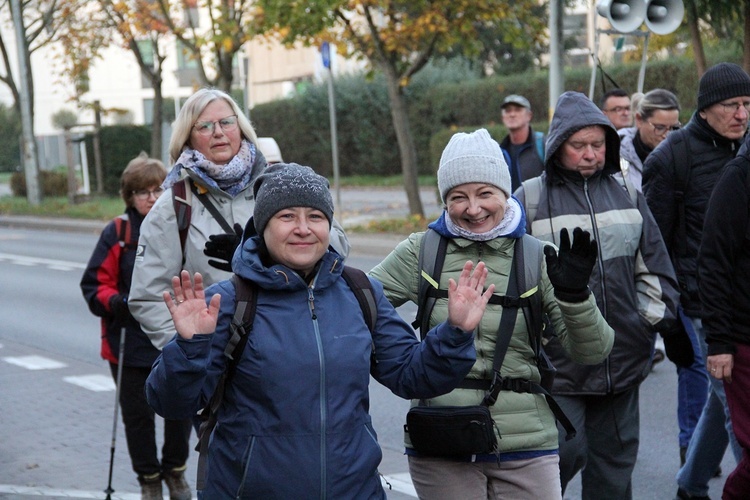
x: 109, y: 489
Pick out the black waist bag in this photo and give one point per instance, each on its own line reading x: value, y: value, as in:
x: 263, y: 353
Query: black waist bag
x: 451, y: 431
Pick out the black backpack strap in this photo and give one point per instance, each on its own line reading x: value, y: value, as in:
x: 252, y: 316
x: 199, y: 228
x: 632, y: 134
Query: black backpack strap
x: 246, y: 302
x: 502, y: 341
x: 362, y: 288
x: 182, y: 210
x: 431, y: 257
x: 206, y: 201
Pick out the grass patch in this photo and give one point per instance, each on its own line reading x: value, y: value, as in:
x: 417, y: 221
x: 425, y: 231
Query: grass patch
x: 381, y: 181
x: 96, y: 208
x: 405, y: 226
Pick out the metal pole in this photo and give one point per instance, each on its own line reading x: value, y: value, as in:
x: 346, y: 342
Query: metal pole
x: 642, y: 72
x: 334, y: 144
x: 595, y: 62
x: 120, y: 361
x: 556, y: 61
x: 29, y: 150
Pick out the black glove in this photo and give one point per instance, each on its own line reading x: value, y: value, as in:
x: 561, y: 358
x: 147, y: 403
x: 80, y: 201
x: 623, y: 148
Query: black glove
x: 570, y: 269
x: 118, y: 306
x: 677, y: 345
x: 222, y: 246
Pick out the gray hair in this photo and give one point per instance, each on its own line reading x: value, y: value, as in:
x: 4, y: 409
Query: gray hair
x: 190, y: 112
x: 655, y: 100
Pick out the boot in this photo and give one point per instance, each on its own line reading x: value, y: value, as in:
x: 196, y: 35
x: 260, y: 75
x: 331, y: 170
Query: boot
x: 684, y: 495
x: 151, y: 487
x: 179, y: 489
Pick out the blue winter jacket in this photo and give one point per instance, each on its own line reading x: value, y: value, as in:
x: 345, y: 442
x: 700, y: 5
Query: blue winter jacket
x: 294, y: 422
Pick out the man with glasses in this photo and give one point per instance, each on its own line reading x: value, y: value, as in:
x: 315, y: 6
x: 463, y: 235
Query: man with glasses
x: 678, y: 178
x: 616, y: 107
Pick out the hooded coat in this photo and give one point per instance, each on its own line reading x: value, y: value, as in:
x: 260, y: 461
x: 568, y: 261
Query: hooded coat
x: 294, y: 422
x: 633, y: 280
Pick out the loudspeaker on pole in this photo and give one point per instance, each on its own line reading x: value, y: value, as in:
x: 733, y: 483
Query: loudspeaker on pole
x: 664, y: 16
x: 624, y: 15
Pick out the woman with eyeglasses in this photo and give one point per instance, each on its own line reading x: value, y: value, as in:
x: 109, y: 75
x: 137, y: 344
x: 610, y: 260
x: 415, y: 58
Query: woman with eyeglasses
x: 657, y: 114
x: 215, y: 156
x: 197, y: 224
x: 105, y: 285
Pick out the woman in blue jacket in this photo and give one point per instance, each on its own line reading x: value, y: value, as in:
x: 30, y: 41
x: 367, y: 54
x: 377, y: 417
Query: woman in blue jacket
x: 294, y: 421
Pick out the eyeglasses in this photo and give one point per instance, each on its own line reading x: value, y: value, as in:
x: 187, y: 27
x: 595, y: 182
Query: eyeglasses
x: 733, y: 107
x: 664, y: 129
x: 617, y: 109
x: 227, y: 124
x: 143, y: 194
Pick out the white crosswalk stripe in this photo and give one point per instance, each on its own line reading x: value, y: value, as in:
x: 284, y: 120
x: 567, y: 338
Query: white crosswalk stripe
x: 61, y: 265
x: 34, y: 362
x: 96, y: 383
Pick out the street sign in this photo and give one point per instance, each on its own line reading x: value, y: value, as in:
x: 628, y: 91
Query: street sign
x: 325, y: 52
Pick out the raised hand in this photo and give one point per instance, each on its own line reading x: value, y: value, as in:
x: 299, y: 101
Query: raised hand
x: 570, y: 269
x: 188, y: 308
x: 466, y: 302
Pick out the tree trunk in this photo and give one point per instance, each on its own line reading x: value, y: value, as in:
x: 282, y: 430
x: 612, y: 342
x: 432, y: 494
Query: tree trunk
x: 746, y: 39
x: 407, y: 149
x: 156, y: 135
x: 695, y: 37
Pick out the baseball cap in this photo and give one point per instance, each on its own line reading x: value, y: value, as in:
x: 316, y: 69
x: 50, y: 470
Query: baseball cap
x: 516, y: 99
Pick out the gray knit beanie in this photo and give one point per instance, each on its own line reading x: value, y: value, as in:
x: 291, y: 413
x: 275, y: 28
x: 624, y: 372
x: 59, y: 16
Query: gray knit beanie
x: 474, y: 157
x: 285, y: 185
x: 720, y: 82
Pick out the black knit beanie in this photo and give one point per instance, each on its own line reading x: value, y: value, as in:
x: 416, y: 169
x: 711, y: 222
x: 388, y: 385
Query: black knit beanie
x: 285, y: 185
x: 720, y: 82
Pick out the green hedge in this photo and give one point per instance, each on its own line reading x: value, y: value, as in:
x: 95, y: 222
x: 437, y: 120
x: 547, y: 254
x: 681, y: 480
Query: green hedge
x: 119, y: 145
x: 367, y: 141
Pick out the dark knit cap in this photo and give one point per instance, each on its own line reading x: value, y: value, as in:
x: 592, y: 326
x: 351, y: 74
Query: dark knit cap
x: 286, y: 185
x: 720, y: 82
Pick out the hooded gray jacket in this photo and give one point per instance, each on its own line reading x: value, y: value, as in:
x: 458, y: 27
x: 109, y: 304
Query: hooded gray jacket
x: 633, y: 280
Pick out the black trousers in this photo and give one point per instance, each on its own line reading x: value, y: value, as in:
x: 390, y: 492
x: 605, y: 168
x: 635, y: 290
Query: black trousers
x: 140, y: 426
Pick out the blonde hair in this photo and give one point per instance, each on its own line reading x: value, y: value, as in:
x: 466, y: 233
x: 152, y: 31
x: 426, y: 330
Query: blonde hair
x: 190, y: 112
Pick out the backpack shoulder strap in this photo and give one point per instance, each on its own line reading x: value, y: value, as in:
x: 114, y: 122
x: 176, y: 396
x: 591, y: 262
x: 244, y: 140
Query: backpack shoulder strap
x: 532, y: 193
x: 181, y: 201
x: 362, y: 288
x: 246, y: 300
x: 539, y: 141
x: 124, y: 232
x: 626, y: 184
x: 431, y: 258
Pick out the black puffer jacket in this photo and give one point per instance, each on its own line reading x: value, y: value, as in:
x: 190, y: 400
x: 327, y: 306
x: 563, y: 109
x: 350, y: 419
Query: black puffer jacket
x: 707, y: 153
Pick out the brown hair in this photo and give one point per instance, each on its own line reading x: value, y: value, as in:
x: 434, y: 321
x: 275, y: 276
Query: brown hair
x: 142, y: 172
